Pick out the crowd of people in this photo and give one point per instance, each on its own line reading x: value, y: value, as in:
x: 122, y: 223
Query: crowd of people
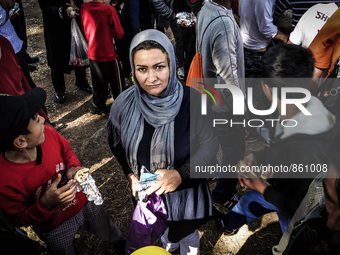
x: 282, y: 55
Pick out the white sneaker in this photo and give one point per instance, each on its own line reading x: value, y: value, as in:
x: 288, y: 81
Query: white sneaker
x: 180, y: 73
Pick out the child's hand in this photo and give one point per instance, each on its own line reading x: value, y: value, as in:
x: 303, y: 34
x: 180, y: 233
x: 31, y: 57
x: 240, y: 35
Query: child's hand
x: 54, y: 196
x: 72, y: 10
x: 71, y: 172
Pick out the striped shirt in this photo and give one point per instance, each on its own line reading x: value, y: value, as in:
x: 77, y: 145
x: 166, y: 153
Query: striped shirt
x: 298, y: 7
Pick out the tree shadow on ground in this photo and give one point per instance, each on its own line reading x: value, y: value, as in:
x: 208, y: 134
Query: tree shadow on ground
x: 262, y: 241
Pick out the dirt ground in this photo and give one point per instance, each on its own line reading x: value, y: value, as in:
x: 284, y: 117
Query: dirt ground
x: 87, y: 134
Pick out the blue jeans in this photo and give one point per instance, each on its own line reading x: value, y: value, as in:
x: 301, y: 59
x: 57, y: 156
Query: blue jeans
x: 251, y: 206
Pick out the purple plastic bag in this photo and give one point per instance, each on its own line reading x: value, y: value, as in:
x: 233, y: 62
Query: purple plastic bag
x: 149, y: 221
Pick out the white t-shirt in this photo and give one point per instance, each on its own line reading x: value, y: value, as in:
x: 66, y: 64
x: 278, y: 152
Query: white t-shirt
x: 311, y: 23
x: 256, y: 23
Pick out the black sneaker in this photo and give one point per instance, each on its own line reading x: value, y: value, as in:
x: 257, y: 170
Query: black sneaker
x: 31, y: 68
x: 218, y: 218
x: 59, y: 98
x: 85, y: 86
x: 120, y: 246
x: 30, y: 60
x: 96, y: 110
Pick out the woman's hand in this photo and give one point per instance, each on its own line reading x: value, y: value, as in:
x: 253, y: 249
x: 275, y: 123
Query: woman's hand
x: 132, y: 180
x: 55, y: 196
x: 169, y: 181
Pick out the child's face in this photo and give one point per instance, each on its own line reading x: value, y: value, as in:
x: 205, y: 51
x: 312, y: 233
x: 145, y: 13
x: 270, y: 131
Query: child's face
x: 107, y: 2
x: 37, y: 129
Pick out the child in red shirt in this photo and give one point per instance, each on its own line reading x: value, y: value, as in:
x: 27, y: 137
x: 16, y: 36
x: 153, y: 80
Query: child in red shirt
x: 37, y: 186
x: 101, y: 25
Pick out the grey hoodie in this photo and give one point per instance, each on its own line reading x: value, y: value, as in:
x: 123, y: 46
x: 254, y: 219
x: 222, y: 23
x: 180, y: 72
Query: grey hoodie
x: 221, y: 47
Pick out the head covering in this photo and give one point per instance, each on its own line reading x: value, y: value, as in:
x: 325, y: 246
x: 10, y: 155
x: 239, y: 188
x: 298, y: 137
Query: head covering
x: 15, y: 112
x: 134, y: 105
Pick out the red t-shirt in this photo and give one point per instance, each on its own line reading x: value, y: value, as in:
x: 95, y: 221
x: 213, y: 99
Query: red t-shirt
x: 22, y: 185
x: 12, y: 81
x: 101, y: 24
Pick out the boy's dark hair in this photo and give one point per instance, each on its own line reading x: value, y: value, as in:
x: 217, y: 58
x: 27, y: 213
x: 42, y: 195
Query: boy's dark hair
x: 149, y: 45
x: 288, y: 65
x: 15, y: 114
x: 24, y: 131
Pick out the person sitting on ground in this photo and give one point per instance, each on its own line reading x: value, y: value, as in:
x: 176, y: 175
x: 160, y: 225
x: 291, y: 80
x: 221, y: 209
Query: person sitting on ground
x: 37, y: 186
x: 307, y: 143
x: 317, y: 220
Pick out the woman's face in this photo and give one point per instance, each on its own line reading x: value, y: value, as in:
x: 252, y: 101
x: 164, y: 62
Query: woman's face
x: 152, y: 71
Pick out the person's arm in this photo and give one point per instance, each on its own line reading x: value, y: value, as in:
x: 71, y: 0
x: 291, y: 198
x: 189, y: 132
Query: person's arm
x: 118, y: 151
x: 322, y: 46
x: 287, y: 203
x: 22, y: 213
x: 117, y: 29
x: 163, y: 9
x: 224, y: 51
x: 280, y: 7
x: 317, y: 73
x: 53, y: 10
x: 264, y: 19
x: 69, y: 156
x: 204, y: 143
x: 203, y: 149
x: 281, y: 36
x: 134, y: 15
x: 6, y: 5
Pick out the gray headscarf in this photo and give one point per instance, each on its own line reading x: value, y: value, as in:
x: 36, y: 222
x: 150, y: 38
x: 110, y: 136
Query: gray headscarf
x: 134, y: 105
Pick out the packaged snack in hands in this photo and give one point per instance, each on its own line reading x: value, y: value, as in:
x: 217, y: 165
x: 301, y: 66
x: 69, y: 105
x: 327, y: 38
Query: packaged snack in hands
x: 87, y: 184
x: 146, y: 181
x: 244, y: 170
x: 187, y: 17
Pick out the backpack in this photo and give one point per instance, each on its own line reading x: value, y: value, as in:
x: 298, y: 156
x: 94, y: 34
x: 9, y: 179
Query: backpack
x: 195, y: 73
x: 15, y: 241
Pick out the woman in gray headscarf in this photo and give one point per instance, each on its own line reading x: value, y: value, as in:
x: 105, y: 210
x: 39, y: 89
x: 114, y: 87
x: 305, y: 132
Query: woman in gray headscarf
x: 149, y: 125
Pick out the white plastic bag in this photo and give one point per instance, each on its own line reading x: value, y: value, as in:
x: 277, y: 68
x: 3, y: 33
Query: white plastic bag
x: 143, y: 187
x: 78, y: 51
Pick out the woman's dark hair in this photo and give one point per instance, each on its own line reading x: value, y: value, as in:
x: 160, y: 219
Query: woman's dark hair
x: 149, y: 45
x: 288, y: 61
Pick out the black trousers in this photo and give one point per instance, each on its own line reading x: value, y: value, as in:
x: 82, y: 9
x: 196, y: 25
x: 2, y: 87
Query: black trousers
x: 24, y: 69
x: 59, y: 81
x: 102, y: 74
